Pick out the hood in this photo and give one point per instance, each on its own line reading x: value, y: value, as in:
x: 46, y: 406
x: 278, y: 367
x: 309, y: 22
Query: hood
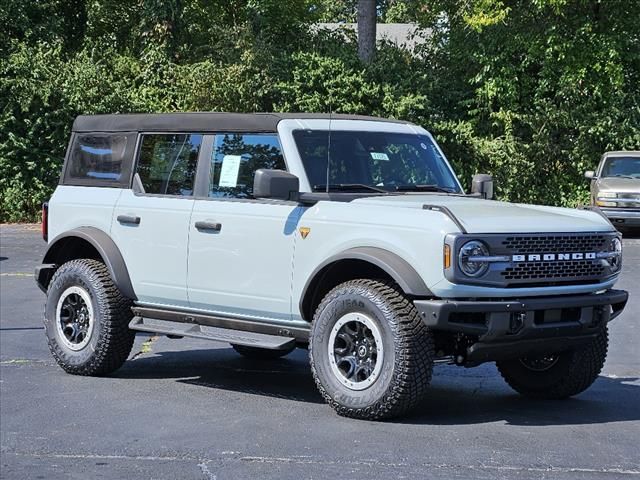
x: 489, y: 216
x: 619, y: 185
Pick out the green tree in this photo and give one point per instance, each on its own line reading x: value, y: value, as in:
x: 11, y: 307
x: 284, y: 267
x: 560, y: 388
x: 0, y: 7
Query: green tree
x: 551, y: 84
x: 530, y: 91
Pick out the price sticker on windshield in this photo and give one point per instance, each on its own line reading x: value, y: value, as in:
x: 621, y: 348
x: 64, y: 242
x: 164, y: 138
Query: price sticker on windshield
x: 380, y: 156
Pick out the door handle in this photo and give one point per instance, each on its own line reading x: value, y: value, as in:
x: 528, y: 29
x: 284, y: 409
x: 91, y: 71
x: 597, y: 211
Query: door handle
x: 130, y: 219
x: 209, y: 226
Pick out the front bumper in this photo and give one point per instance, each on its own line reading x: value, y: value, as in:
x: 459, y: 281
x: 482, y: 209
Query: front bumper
x: 622, y: 217
x: 517, y: 327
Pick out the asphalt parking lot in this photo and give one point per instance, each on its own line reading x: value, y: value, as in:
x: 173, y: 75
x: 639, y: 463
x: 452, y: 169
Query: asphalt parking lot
x: 195, y: 409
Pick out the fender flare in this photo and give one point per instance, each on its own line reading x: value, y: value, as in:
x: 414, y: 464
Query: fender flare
x: 107, y: 249
x: 395, y: 266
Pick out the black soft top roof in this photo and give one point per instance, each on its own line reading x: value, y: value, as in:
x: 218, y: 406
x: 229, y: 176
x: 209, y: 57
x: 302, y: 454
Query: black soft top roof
x: 200, y: 121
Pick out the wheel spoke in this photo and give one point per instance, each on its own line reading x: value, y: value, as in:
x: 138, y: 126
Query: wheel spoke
x: 362, y: 372
x: 351, y: 328
x: 66, y: 314
x: 70, y: 331
x: 343, y: 344
x: 347, y: 366
x: 368, y: 335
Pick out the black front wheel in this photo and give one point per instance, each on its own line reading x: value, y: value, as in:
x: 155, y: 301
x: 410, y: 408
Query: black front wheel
x: 371, y: 355
x: 557, y: 375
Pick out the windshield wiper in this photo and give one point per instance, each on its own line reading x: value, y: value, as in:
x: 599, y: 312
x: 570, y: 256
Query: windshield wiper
x: 422, y: 188
x: 623, y: 176
x: 348, y: 186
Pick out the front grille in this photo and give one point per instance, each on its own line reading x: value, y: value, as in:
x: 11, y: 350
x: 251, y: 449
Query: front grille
x: 556, y: 243
x: 527, y: 260
x: 540, y: 272
x: 565, y: 270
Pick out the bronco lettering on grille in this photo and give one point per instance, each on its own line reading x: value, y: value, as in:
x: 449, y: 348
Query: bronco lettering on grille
x: 552, y: 257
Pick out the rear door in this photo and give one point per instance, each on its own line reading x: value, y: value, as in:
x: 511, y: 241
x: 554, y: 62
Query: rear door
x: 151, y: 221
x: 241, y: 248
x: 97, y: 169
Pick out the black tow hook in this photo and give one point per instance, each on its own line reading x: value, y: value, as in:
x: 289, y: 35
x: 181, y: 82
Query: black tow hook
x: 516, y: 322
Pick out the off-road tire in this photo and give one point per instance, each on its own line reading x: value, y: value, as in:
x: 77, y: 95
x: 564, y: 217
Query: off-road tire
x: 572, y: 374
x: 407, y: 364
x: 261, y: 353
x: 111, y: 339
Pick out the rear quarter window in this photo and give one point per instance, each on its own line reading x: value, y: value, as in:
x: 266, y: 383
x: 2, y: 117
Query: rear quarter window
x: 100, y: 159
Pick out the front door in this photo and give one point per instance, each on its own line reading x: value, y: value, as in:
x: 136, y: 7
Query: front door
x: 240, y: 248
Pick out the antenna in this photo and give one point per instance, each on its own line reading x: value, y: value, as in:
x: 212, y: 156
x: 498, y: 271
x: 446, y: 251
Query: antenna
x: 329, y: 146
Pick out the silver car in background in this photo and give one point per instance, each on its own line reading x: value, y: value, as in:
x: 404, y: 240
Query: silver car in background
x: 615, y: 188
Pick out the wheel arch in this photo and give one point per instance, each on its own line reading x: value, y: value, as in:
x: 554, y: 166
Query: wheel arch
x: 86, y: 242
x: 360, y: 262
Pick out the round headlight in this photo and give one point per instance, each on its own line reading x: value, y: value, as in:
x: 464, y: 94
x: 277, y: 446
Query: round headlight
x: 615, y: 247
x: 468, y: 266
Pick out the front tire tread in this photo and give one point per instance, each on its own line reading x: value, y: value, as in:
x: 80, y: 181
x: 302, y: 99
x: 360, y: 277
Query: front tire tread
x: 414, y: 346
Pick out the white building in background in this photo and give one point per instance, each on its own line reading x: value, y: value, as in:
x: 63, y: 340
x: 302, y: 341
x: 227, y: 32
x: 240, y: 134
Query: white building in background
x: 407, y: 35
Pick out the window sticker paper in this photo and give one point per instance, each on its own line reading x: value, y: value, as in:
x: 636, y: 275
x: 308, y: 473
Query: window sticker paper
x: 229, y: 171
x: 380, y: 156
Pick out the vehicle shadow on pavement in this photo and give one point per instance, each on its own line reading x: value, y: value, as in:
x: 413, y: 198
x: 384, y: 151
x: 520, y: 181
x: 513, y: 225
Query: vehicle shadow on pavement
x: 608, y: 400
x: 287, y: 378
x: 456, y: 397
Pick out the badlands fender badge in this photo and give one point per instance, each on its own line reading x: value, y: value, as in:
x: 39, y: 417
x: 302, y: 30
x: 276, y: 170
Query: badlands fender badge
x: 304, y: 232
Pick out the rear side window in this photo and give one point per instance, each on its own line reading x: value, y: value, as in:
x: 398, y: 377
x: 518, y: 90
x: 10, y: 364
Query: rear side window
x: 100, y: 159
x: 167, y: 163
x: 235, y: 159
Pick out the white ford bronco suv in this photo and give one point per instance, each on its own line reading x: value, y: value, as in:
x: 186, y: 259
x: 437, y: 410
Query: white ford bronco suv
x: 350, y: 236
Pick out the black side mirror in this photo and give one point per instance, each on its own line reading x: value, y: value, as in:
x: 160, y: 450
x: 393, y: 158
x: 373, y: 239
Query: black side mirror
x: 482, y: 184
x: 275, y: 184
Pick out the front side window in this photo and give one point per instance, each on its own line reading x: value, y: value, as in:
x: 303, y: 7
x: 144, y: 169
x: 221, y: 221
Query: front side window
x: 384, y: 161
x: 621, y: 167
x: 167, y: 163
x: 98, y: 158
x: 235, y: 159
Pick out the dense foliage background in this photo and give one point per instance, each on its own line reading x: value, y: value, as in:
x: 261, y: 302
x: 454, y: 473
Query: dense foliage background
x: 530, y: 91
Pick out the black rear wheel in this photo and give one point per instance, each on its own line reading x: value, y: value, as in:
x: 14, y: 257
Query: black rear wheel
x: 87, y: 319
x: 557, y: 375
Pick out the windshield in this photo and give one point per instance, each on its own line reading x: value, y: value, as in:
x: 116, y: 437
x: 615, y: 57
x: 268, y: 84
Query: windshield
x: 621, y: 167
x: 373, y: 161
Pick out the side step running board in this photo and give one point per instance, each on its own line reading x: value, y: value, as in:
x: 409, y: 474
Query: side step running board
x: 250, y: 339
